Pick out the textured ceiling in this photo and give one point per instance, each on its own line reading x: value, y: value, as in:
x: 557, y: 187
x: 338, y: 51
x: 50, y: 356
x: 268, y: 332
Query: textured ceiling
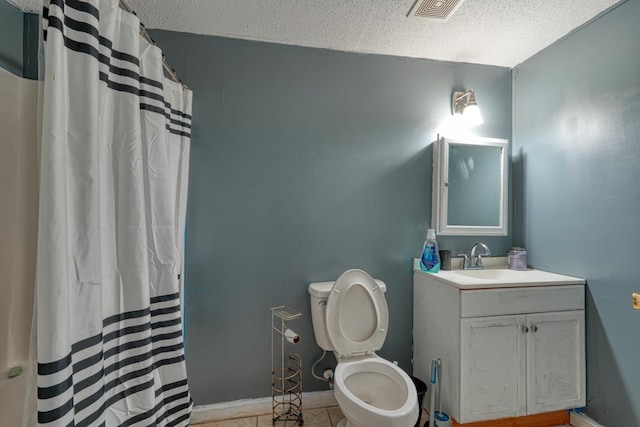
x: 495, y: 32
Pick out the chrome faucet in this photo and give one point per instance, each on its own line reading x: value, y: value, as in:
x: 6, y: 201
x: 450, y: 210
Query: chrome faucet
x: 473, y: 261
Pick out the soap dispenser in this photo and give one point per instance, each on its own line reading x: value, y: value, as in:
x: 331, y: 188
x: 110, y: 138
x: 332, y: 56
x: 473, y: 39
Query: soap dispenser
x: 430, y: 260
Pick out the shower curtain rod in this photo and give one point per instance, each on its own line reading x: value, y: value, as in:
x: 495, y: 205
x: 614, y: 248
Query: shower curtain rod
x: 143, y: 32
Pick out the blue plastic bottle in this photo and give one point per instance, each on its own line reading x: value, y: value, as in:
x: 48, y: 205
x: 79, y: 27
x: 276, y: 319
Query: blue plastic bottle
x: 430, y: 260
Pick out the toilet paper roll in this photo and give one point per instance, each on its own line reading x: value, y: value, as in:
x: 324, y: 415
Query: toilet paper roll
x: 291, y: 336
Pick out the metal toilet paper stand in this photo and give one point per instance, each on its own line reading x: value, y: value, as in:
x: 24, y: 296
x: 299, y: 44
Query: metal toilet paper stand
x: 286, y: 379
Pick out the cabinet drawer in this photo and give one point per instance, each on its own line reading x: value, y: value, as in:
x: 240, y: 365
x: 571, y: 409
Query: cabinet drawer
x: 537, y: 299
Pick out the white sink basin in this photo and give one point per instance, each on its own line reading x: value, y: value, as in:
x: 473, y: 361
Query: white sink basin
x: 503, y: 277
x: 494, y: 274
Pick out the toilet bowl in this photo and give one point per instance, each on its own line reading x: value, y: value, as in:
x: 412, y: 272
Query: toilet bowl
x: 375, y: 392
x: 350, y: 317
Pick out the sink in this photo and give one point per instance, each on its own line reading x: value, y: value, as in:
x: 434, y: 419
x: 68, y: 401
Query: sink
x: 493, y: 274
x: 502, y: 277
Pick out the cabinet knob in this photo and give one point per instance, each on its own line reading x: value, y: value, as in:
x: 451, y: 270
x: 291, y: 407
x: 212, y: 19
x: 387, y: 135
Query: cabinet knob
x: 525, y: 329
x: 534, y: 328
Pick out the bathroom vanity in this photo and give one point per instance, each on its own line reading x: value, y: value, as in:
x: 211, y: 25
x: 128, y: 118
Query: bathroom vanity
x: 511, y: 342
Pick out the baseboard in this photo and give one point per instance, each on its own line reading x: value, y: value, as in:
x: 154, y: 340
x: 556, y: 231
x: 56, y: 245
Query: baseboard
x: 581, y: 420
x: 253, y: 407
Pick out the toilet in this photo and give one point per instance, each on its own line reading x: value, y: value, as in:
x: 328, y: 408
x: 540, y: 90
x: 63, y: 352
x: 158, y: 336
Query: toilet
x: 350, y: 318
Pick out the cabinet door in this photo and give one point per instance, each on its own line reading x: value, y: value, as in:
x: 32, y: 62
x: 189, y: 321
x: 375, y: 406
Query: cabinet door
x: 493, y: 368
x: 555, y: 361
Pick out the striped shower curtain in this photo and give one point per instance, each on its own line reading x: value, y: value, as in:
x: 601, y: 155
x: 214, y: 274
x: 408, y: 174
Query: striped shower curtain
x: 114, y: 167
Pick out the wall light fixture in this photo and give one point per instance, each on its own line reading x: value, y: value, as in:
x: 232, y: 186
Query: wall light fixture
x: 464, y: 104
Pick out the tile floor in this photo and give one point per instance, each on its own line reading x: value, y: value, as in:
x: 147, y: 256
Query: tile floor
x: 319, y: 417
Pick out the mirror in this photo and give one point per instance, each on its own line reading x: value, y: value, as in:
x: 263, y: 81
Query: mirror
x: 470, y: 179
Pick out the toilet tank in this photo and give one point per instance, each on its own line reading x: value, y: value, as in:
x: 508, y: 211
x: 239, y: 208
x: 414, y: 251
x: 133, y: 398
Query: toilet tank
x: 319, y: 292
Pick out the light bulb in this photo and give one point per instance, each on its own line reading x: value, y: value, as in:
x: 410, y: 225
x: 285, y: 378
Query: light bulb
x: 471, y: 115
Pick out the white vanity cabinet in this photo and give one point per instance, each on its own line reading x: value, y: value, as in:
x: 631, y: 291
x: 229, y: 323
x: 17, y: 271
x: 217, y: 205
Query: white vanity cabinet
x: 510, y: 350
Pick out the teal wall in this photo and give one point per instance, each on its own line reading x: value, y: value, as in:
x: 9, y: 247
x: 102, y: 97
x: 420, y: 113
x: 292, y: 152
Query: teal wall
x: 305, y: 163
x: 576, y: 134
x: 11, y: 29
x: 19, y: 40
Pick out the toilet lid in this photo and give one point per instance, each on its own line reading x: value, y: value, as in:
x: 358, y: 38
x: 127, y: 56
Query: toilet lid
x: 357, y: 314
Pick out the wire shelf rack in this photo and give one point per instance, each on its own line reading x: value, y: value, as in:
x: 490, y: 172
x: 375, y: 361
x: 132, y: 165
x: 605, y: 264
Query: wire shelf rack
x: 286, y: 379
x: 285, y: 313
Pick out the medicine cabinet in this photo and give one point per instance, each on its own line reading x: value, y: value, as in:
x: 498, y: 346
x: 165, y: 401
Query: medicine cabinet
x: 470, y: 186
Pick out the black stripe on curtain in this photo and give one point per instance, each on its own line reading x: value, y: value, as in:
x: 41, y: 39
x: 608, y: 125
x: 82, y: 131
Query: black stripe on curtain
x: 79, y: 5
x: 45, y: 22
x: 164, y: 402
x: 79, y: 46
x: 50, y: 416
x: 59, y: 365
x: 150, y: 82
x: 161, y: 345
x: 178, y: 132
x: 159, y: 110
x: 53, y: 367
x: 178, y: 113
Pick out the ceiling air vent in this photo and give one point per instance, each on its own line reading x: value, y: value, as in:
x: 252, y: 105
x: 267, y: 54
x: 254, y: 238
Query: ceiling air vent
x: 437, y: 10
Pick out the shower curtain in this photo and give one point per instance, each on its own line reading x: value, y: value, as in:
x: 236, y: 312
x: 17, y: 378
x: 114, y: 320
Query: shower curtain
x: 114, y: 167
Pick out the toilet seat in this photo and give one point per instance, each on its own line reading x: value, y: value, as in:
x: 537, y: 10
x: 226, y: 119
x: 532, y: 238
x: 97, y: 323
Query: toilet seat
x: 357, y: 314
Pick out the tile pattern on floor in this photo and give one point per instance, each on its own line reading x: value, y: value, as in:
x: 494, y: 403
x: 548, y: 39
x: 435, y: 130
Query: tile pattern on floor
x: 318, y: 417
